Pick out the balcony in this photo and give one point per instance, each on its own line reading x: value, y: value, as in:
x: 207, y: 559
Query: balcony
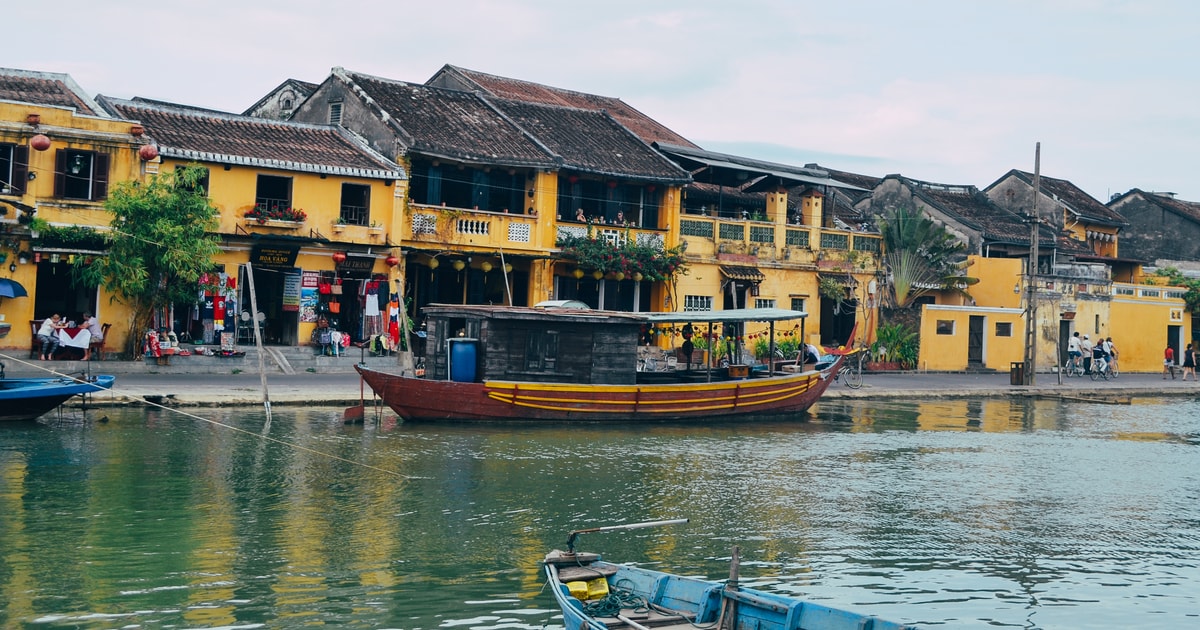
x: 708, y: 236
x: 456, y: 226
x: 614, y: 234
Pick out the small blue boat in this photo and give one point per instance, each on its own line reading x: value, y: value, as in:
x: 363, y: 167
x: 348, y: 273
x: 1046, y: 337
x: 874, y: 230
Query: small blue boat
x: 598, y: 595
x: 31, y: 398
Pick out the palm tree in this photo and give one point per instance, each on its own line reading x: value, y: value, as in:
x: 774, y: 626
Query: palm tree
x: 921, y: 256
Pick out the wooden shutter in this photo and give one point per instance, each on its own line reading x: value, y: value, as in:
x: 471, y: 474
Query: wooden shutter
x: 20, y: 168
x: 60, y: 173
x: 100, y: 176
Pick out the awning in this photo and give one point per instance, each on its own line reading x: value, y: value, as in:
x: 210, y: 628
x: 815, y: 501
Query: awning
x: 742, y: 272
x: 736, y: 171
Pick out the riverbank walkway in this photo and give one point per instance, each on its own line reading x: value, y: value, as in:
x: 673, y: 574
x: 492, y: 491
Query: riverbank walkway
x: 345, y: 388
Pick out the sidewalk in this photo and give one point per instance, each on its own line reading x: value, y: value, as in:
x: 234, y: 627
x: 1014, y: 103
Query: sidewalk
x: 343, y: 389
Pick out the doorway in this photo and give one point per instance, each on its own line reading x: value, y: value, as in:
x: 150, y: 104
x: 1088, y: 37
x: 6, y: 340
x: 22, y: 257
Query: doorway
x: 975, y: 342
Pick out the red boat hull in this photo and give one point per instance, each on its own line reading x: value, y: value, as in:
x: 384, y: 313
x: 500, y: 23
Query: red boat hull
x: 770, y: 398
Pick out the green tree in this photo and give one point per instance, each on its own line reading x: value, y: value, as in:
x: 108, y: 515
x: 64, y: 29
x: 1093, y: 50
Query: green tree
x: 160, y: 244
x: 921, y: 256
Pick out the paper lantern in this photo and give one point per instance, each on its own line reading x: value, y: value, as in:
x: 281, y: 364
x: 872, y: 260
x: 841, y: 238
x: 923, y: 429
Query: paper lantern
x: 619, y: 276
x: 40, y: 142
x: 637, y: 276
x: 597, y: 274
x: 339, y: 257
x: 507, y: 267
x: 391, y: 260
x: 459, y: 265
x: 148, y: 152
x: 578, y: 273
x: 433, y: 263
x: 485, y: 266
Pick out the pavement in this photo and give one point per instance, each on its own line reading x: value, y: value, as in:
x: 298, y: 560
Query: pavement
x: 245, y: 389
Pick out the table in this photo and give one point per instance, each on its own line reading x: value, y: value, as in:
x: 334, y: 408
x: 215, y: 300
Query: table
x: 74, y: 338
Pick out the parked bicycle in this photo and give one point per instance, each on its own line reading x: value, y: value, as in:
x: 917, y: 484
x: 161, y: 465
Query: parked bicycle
x: 850, y: 371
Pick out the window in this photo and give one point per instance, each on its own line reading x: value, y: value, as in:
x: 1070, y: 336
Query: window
x: 80, y: 175
x: 697, y: 303
x: 945, y: 327
x: 335, y: 113
x: 764, y: 303
x: 1003, y: 329
x: 14, y: 168
x: 798, y: 304
x: 356, y: 204
x: 202, y: 183
x: 273, y: 193
x: 541, y: 351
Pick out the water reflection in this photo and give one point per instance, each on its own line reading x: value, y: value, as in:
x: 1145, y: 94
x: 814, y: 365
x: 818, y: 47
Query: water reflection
x: 968, y: 513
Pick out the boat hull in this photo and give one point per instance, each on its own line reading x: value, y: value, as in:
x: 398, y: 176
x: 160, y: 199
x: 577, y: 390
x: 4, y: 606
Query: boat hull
x: 677, y: 602
x: 23, y: 399
x: 768, y: 398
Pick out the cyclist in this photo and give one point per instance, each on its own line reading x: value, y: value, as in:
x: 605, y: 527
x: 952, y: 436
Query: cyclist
x: 1086, y: 348
x: 1099, y: 358
x: 1112, y: 355
x: 1073, y: 350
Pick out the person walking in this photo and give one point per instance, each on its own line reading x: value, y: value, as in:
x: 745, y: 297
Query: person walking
x: 1085, y: 347
x: 1169, y: 362
x: 1189, y: 363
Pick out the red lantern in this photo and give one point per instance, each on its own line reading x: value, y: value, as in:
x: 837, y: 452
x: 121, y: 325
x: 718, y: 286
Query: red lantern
x: 572, y: 178
x: 339, y: 257
x: 148, y: 152
x: 40, y: 142
x: 392, y: 260
x: 612, y: 184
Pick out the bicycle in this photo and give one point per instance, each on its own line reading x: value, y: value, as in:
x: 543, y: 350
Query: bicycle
x: 1073, y: 368
x: 1100, y: 369
x: 850, y: 371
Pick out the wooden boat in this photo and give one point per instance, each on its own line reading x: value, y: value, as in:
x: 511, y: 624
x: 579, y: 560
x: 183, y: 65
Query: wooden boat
x: 31, y: 398
x: 598, y: 595
x: 569, y: 364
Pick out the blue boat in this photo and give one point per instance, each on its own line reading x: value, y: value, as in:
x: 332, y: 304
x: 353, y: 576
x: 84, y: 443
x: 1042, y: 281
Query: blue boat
x: 598, y: 595
x: 31, y: 398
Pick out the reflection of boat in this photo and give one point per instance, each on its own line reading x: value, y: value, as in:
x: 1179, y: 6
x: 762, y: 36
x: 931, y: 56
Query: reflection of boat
x: 598, y: 595
x: 30, y: 398
x: 556, y: 364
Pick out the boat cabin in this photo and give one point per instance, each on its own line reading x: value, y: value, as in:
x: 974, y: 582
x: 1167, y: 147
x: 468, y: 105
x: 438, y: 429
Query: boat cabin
x: 550, y: 344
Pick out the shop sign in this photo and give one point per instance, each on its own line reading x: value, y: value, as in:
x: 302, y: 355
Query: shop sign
x: 291, y: 292
x: 356, y: 266
x: 274, y: 256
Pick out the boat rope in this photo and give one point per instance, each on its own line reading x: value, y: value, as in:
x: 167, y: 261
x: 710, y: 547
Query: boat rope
x: 618, y: 599
x: 113, y: 391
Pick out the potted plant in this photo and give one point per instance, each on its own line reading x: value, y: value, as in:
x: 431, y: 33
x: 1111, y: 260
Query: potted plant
x: 339, y: 225
x: 276, y: 215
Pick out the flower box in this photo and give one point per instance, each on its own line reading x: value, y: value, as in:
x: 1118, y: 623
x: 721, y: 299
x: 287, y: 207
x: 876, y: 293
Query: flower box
x: 276, y: 223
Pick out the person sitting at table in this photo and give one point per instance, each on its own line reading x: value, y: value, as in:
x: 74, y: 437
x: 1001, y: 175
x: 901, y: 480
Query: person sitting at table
x: 48, y: 335
x: 93, y: 327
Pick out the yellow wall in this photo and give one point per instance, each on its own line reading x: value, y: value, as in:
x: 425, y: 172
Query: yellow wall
x: 941, y: 352
x: 997, y: 277
x: 1140, y: 323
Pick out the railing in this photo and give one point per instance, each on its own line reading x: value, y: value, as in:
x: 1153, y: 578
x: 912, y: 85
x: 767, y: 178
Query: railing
x: 616, y: 235
x: 453, y: 225
x: 754, y: 236
x: 355, y: 215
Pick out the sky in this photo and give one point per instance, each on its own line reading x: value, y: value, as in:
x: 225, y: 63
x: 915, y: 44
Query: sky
x: 947, y: 91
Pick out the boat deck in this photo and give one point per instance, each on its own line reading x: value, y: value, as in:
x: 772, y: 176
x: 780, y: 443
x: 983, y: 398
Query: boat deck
x: 648, y: 619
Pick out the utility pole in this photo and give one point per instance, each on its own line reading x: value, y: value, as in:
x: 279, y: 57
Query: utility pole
x: 1031, y: 271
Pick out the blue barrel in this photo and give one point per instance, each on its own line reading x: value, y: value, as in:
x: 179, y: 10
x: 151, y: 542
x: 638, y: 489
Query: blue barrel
x: 462, y: 360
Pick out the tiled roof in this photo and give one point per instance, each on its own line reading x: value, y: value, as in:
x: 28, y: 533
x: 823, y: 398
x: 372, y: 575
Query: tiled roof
x: 972, y: 207
x: 646, y: 128
x: 206, y: 135
x: 45, y: 88
x: 1187, y: 209
x: 591, y: 141
x: 1083, y: 204
x: 450, y: 123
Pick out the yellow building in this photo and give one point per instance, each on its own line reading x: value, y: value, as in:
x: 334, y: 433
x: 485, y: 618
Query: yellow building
x: 59, y: 154
x: 312, y: 209
x: 954, y: 338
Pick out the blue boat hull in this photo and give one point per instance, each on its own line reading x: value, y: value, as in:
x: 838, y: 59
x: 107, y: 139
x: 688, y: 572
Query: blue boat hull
x: 31, y: 398
x: 676, y: 602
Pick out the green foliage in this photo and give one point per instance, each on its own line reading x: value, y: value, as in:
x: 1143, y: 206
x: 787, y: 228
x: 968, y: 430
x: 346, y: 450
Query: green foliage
x: 895, y: 342
x: 599, y: 254
x: 921, y: 256
x: 68, y: 236
x: 1176, y: 279
x: 159, y: 245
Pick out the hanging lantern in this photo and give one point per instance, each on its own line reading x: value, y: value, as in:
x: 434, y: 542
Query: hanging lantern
x: 339, y: 257
x: 597, y: 274
x: 578, y: 273
x: 612, y: 184
x: 391, y: 260
x: 459, y: 265
x: 619, y: 276
x: 485, y: 266
x: 40, y: 142
x: 433, y: 263
x: 507, y: 267
x: 148, y: 152
x: 637, y: 276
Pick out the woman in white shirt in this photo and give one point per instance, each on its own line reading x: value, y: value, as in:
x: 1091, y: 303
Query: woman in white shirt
x: 48, y: 335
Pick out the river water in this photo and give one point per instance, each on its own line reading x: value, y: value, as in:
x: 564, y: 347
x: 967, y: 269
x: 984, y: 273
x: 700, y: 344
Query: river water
x: 973, y: 514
